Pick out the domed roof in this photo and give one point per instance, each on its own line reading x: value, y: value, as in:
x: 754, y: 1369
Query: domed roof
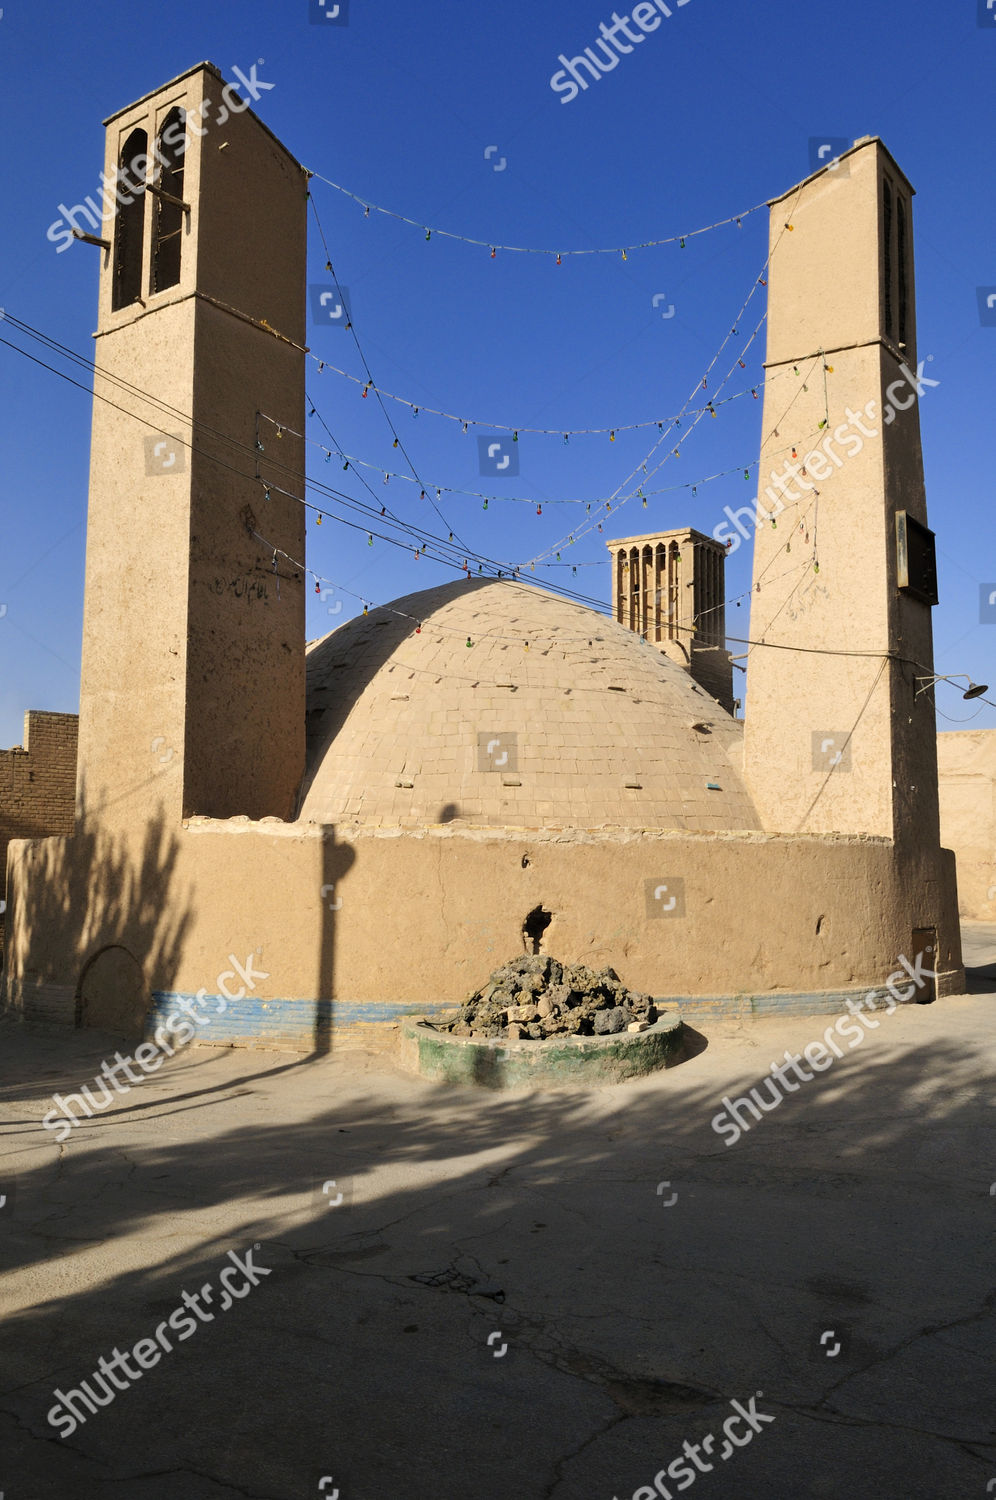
x: 458, y: 720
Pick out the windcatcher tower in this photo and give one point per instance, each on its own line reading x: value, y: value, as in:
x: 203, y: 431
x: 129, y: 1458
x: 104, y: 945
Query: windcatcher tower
x: 668, y: 587
x: 192, y: 693
x: 838, y: 739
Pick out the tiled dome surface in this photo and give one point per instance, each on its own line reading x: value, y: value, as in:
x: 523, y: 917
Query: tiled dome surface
x: 399, y: 722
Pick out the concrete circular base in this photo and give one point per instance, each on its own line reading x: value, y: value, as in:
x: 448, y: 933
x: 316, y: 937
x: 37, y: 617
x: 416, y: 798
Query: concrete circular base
x: 496, y: 1064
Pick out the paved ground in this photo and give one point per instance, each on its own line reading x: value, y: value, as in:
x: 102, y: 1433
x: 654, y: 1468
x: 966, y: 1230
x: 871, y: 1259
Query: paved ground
x: 529, y: 1297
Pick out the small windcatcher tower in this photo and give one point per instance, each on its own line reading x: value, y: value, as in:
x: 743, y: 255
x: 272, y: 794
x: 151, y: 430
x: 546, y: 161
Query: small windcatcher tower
x: 668, y: 587
x: 840, y: 733
x: 192, y: 693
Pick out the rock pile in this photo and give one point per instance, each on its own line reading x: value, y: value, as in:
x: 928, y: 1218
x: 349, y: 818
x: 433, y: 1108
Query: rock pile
x: 534, y: 997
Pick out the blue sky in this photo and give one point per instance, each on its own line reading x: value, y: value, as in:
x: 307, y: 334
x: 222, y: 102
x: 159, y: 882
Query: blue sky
x: 712, y: 114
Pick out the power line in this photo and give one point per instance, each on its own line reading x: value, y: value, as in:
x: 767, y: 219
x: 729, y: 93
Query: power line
x: 507, y: 576
x: 447, y: 552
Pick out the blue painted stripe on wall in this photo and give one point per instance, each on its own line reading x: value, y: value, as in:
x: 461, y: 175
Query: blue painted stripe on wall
x: 811, y: 1003
x: 302, y: 1023
x: 250, y: 1019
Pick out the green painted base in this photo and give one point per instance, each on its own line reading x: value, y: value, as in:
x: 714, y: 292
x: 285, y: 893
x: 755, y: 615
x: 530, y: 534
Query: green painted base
x: 581, y: 1061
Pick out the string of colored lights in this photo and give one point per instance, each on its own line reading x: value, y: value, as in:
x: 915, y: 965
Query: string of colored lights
x: 760, y: 281
x: 555, y: 550
x: 370, y: 380
x: 566, y: 433
x: 164, y: 409
x: 409, y: 529
x: 192, y: 447
x: 495, y: 567
x: 417, y: 551
x: 558, y: 255
x: 421, y: 549
x: 606, y: 507
x: 421, y: 623
x: 173, y: 412
x: 282, y: 428
x: 356, y: 464
x: 823, y: 425
x: 596, y: 605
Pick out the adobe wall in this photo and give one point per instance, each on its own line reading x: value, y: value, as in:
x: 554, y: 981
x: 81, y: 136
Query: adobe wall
x: 967, y: 765
x: 351, y: 927
x: 37, y: 784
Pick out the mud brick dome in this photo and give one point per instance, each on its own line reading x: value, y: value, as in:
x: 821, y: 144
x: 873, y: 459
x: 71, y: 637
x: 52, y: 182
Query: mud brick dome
x: 608, y: 732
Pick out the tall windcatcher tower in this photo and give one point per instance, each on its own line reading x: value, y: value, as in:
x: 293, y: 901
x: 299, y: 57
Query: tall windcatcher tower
x: 839, y: 737
x: 192, y: 693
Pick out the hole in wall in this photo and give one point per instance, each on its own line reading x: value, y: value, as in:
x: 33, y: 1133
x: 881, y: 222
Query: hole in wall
x: 525, y: 861
x: 819, y: 925
x: 534, y: 929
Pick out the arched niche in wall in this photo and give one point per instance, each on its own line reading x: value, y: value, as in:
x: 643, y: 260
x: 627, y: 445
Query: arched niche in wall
x: 112, y: 994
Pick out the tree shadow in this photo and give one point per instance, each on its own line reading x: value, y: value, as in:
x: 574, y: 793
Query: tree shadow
x: 631, y: 1316
x: 74, y: 902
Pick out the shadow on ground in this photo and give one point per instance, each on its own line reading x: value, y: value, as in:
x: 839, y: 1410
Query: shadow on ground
x: 639, y: 1274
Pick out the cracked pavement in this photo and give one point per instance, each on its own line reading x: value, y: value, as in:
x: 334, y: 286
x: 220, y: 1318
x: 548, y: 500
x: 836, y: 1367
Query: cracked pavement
x: 638, y: 1273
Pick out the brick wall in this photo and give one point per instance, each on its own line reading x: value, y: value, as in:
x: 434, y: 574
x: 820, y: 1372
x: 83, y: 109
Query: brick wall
x: 37, y: 784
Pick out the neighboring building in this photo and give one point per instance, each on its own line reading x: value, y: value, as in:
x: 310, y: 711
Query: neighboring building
x: 299, y: 838
x: 37, y: 786
x: 967, y: 763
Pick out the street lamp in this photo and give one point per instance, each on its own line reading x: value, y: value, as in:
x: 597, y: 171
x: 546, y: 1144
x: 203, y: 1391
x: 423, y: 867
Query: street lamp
x: 975, y: 689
